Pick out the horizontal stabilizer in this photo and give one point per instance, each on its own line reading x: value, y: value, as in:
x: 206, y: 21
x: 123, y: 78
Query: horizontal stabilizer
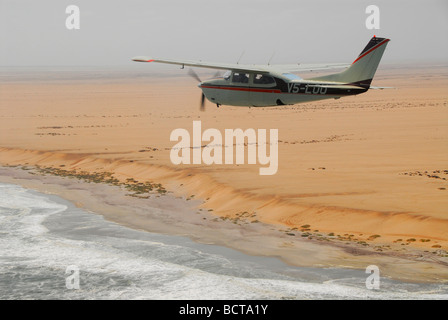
x: 381, y: 88
x: 341, y: 86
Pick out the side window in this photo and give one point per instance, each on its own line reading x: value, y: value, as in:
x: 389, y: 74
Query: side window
x: 240, y: 77
x: 263, y: 79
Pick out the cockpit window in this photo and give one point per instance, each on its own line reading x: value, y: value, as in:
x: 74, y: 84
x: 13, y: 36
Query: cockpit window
x: 240, y: 77
x: 263, y: 79
x: 291, y: 76
x: 227, y: 74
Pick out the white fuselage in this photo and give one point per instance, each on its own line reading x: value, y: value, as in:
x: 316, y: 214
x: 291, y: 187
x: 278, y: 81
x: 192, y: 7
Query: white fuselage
x: 275, y: 90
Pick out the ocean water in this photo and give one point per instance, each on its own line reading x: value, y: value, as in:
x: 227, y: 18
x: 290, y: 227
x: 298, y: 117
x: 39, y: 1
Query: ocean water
x: 41, y: 236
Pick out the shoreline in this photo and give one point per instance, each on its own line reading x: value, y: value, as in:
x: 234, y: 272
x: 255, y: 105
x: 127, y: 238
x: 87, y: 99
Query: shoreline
x: 175, y: 215
x: 117, y: 262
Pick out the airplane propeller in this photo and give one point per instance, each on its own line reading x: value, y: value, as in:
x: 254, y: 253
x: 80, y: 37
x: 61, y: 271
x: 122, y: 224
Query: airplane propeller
x: 202, y: 106
x: 194, y: 75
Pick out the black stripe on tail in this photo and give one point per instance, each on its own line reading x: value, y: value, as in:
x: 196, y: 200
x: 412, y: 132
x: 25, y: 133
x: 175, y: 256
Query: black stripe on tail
x: 373, y: 42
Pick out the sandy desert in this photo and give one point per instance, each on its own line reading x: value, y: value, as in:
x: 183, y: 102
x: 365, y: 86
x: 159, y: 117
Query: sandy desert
x: 361, y: 180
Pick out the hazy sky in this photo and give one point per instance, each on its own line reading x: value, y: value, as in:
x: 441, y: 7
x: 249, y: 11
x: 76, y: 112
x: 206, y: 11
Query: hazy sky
x: 33, y: 33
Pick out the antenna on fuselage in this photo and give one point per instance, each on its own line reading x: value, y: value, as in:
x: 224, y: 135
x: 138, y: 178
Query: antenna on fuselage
x: 240, y: 57
x: 272, y: 56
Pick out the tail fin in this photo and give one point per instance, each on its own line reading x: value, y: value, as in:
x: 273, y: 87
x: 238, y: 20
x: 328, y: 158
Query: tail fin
x: 363, y: 69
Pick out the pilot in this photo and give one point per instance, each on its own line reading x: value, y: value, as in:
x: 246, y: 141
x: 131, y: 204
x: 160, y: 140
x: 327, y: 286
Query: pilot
x: 261, y: 79
x: 266, y: 80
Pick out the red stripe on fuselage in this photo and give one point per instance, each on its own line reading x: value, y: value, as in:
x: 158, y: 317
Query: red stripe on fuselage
x: 242, y: 89
x: 374, y: 48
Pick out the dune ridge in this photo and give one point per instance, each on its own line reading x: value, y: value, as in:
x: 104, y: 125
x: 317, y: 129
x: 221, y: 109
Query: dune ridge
x: 227, y: 202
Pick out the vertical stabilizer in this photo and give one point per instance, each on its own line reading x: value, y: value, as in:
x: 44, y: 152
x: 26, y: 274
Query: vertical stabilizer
x: 363, y: 69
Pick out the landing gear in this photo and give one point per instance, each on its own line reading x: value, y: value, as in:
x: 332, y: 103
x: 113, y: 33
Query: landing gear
x: 280, y: 102
x: 218, y: 105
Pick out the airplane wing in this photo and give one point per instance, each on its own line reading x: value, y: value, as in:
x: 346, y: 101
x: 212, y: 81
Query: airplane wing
x: 245, y: 67
x: 193, y: 63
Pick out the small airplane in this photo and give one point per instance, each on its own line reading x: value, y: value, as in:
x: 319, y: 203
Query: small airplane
x: 276, y: 85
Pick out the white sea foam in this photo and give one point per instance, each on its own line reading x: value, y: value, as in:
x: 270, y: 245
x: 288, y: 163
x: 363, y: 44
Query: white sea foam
x: 41, y: 237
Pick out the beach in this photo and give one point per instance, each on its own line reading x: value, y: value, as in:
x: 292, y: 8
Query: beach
x: 45, y: 237
x: 361, y: 180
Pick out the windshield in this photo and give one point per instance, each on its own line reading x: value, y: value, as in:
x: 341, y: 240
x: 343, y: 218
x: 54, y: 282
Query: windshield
x: 227, y: 75
x: 291, y: 76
